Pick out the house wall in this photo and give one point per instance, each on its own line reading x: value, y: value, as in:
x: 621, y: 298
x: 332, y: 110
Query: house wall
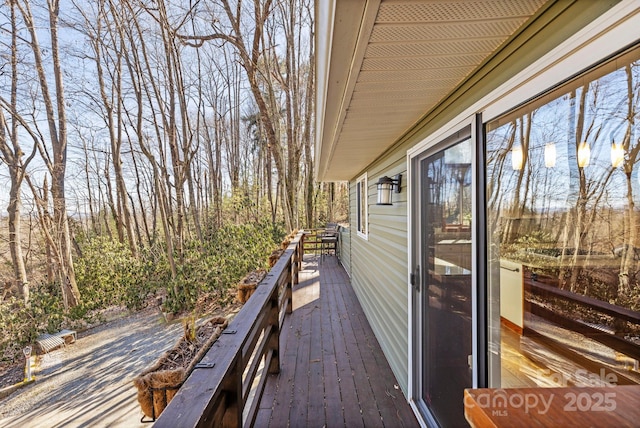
x: 344, y: 243
x: 379, y: 264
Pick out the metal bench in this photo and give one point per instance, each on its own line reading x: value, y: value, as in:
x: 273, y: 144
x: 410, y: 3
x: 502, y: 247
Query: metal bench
x: 48, y: 342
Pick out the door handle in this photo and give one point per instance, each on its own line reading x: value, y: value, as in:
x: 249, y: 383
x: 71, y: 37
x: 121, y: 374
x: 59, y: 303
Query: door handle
x: 415, y: 279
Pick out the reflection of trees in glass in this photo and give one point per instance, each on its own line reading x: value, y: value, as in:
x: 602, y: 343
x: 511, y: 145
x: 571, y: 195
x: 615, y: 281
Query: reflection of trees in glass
x: 629, y: 260
x: 584, y: 210
x: 435, y: 180
x: 519, y: 137
x: 503, y: 181
x: 550, y: 182
x: 444, y: 193
x: 457, y: 160
x: 591, y: 179
x: 498, y: 148
x: 448, y: 177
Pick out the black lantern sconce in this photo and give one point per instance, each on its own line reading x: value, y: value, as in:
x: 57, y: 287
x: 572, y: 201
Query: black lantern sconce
x: 385, y: 187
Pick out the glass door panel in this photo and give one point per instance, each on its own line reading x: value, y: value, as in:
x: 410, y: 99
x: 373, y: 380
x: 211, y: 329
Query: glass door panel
x: 446, y: 297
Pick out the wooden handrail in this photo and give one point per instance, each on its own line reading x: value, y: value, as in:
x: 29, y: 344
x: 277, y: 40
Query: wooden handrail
x: 311, y: 240
x: 611, y: 340
x: 589, y: 302
x: 217, y: 394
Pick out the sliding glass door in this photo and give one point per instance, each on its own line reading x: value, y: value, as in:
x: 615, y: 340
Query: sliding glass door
x: 442, y: 294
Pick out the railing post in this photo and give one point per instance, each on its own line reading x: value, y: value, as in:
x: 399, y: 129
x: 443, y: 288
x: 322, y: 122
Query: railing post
x: 292, y: 278
x: 301, y: 252
x: 274, y: 340
x: 295, y: 265
x: 232, y: 417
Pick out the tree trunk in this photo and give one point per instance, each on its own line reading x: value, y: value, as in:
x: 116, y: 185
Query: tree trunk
x: 57, y: 127
x: 15, y: 237
x: 12, y: 154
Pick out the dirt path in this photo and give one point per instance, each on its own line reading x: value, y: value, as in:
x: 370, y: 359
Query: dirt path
x: 89, y: 383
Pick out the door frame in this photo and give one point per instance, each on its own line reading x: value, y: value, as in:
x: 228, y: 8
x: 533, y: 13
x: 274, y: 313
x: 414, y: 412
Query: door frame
x: 415, y: 155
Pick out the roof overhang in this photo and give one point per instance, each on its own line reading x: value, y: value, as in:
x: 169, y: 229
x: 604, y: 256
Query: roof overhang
x: 381, y: 65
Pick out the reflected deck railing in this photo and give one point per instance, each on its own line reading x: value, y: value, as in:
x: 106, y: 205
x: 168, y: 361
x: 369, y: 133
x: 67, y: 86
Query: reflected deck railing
x: 226, y: 387
x: 607, y: 337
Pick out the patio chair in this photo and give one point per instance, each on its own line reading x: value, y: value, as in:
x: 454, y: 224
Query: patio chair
x: 329, y: 239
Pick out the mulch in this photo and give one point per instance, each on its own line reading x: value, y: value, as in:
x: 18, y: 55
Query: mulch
x: 185, y: 351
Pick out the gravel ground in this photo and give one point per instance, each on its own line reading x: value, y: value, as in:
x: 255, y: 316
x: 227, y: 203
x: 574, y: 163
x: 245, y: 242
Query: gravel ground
x: 90, y: 382
x: 11, y: 374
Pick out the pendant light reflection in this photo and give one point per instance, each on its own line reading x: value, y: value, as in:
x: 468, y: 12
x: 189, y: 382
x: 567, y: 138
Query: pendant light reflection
x: 617, y: 154
x: 584, y: 154
x: 516, y: 158
x: 550, y: 155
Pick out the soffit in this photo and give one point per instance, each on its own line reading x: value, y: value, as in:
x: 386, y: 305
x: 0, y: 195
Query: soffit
x: 393, y: 62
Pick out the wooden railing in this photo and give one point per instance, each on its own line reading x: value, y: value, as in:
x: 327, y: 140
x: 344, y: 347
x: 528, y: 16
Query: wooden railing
x: 598, y: 333
x: 225, y: 388
x: 312, y: 240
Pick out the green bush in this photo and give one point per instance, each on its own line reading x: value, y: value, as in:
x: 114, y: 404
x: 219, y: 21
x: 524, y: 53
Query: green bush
x: 18, y: 327
x: 22, y: 324
x: 217, y: 264
x: 108, y: 274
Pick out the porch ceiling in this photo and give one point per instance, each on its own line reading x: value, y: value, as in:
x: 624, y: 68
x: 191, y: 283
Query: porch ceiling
x: 383, y: 64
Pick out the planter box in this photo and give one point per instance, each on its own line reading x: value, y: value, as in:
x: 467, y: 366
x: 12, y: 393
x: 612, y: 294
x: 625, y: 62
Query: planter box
x: 248, y: 284
x: 160, y: 383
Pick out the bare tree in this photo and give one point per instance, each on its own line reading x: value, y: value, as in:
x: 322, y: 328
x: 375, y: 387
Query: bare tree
x: 108, y: 49
x: 13, y: 156
x: 251, y: 56
x: 55, y: 112
x: 166, y: 124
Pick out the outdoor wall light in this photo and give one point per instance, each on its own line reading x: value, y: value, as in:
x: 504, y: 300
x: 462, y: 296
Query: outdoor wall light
x: 385, y: 187
x: 550, y: 155
x: 517, y: 158
x: 584, y: 154
x: 617, y: 154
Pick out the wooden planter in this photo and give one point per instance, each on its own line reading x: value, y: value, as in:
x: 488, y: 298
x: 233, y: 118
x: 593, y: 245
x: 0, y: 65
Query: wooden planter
x: 248, y: 284
x: 274, y: 257
x: 286, y: 241
x: 159, y: 384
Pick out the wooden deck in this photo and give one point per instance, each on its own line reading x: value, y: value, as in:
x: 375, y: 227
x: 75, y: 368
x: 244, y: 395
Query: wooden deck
x: 333, y: 372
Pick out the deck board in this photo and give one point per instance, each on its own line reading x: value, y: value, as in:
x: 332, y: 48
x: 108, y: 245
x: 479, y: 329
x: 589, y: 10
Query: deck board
x: 333, y: 372
x: 315, y: 405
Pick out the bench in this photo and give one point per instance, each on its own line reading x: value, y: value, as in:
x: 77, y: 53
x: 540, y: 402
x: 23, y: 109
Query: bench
x: 48, y: 342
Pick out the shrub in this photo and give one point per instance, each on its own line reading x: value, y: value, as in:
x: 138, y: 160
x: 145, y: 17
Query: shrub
x: 108, y: 274
x: 21, y: 324
x: 217, y: 264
